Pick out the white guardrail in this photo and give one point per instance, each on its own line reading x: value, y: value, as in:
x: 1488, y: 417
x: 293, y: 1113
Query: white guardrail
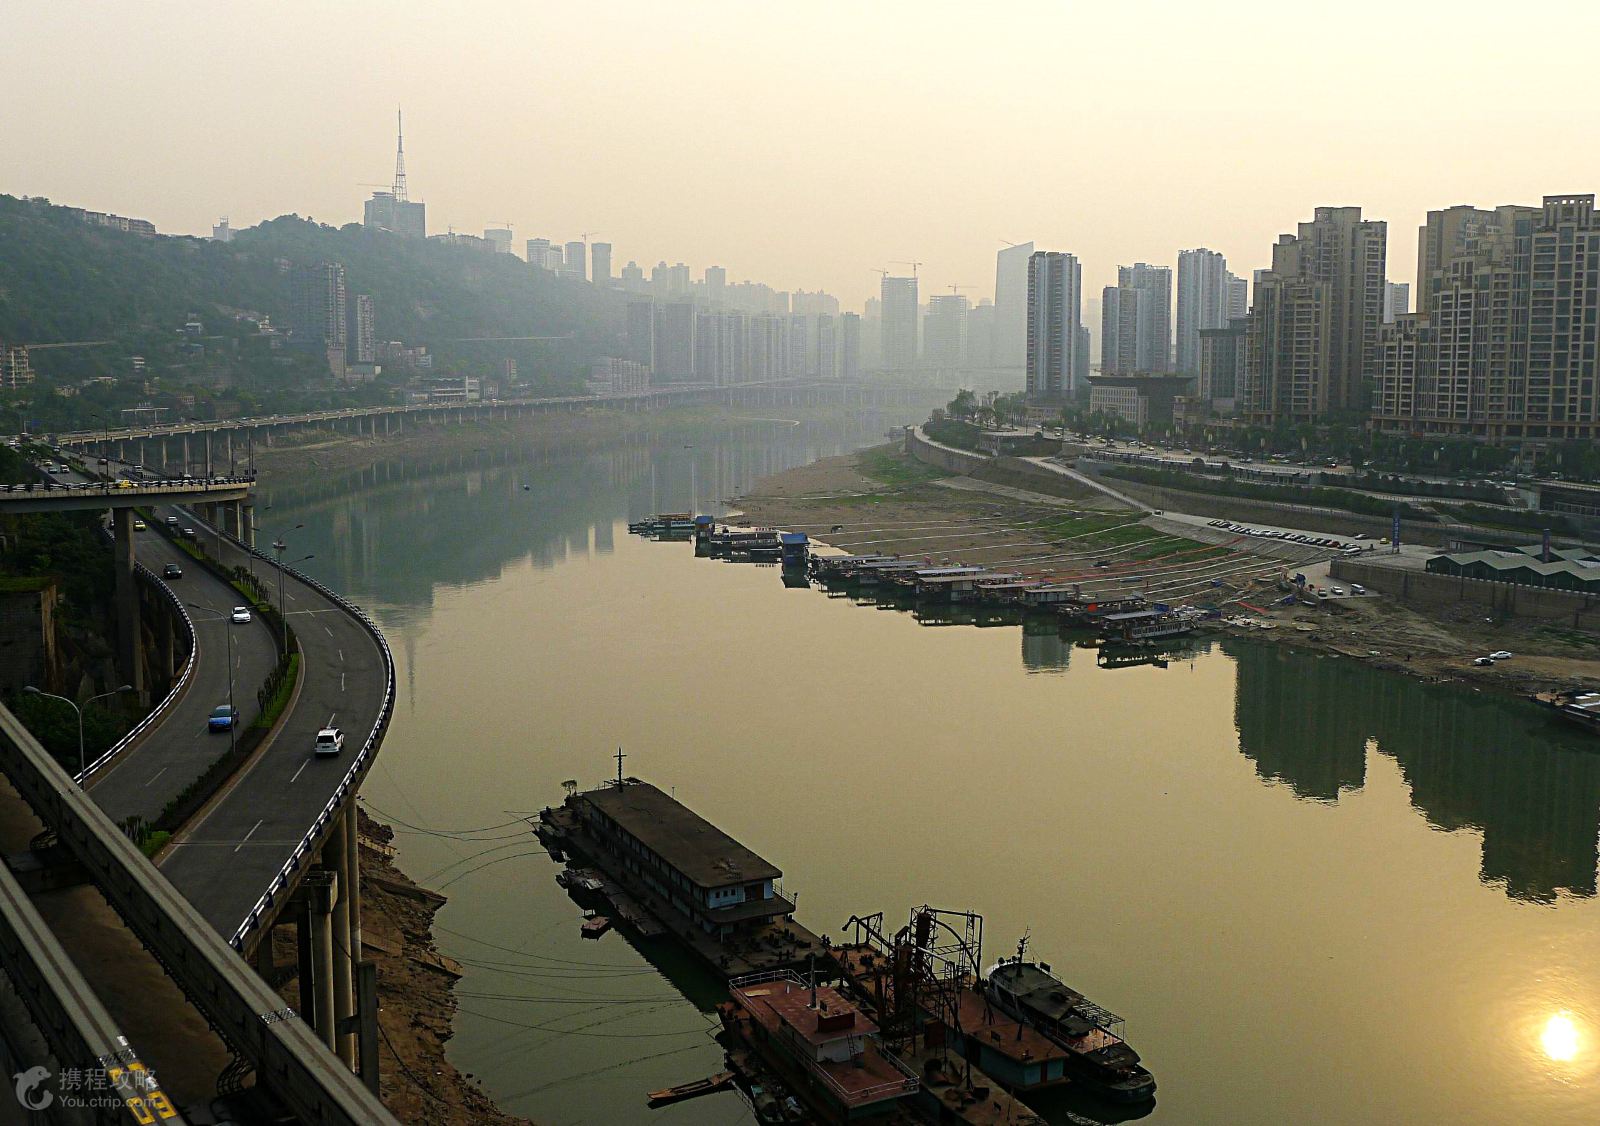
x: 304, y: 850
x: 161, y: 709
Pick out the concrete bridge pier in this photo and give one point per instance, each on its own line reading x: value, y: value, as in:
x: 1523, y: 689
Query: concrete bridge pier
x: 127, y: 597
x: 316, y: 953
x: 336, y: 856
x: 247, y: 523
x: 208, y: 453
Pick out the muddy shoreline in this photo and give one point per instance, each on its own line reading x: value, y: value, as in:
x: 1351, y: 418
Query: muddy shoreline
x: 880, y: 500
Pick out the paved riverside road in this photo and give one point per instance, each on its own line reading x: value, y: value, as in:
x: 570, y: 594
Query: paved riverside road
x: 142, y: 781
x: 231, y: 853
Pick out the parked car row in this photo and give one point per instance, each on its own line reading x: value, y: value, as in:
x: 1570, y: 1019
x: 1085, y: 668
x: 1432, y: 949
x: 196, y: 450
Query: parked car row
x: 1328, y: 542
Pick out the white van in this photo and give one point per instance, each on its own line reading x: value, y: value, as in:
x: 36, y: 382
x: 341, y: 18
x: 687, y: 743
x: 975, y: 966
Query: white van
x: 330, y: 741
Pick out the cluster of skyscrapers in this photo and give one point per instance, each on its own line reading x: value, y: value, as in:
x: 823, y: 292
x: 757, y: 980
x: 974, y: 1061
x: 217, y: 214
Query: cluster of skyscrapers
x: 696, y: 337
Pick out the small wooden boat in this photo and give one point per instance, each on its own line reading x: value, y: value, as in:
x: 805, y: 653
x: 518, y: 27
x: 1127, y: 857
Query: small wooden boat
x: 720, y: 1081
x: 595, y: 926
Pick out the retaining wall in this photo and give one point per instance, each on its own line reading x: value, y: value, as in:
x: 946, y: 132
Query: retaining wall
x: 925, y: 449
x: 1422, y: 588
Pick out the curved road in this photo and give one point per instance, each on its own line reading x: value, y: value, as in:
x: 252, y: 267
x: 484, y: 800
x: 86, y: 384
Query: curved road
x: 226, y: 859
x: 143, y: 780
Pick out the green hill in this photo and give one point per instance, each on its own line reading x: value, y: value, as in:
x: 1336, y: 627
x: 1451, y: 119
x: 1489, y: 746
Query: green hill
x: 62, y: 279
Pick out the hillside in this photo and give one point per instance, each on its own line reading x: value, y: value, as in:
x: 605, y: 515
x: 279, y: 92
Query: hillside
x: 64, y: 280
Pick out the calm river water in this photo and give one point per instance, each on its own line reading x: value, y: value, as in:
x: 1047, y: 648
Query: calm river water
x: 1318, y: 894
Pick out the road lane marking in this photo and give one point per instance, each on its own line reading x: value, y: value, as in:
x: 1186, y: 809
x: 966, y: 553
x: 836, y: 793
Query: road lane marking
x: 329, y: 630
x: 297, y: 773
x: 156, y: 775
x: 330, y: 720
x: 248, y: 835
x: 341, y: 656
x: 341, y: 682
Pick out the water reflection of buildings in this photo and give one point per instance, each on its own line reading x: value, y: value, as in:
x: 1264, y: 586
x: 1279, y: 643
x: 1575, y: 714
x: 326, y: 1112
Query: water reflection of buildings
x: 398, y: 530
x: 1497, y: 766
x: 1044, y: 649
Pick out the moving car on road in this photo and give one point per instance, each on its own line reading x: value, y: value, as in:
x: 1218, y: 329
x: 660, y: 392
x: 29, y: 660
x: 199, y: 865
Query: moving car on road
x: 330, y: 741
x: 240, y: 615
x: 172, y: 571
x: 222, y: 718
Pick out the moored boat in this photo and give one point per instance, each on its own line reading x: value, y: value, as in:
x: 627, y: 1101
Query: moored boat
x: 1099, y: 1059
x: 1580, y: 706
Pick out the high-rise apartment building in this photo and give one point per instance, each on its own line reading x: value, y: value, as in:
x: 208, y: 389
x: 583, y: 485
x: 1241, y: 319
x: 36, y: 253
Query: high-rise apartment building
x: 632, y: 278
x: 600, y: 259
x: 1009, y: 337
x: 1127, y: 330
x: 1055, y: 283
x: 538, y: 253
x: 1396, y: 300
x: 1202, y: 302
x: 1238, y: 297
x: 1222, y: 352
x: 944, y: 333
x: 317, y: 311
x: 827, y: 350
x: 641, y: 334
x: 220, y: 231
x: 15, y: 369
x: 1505, y: 345
x: 850, y: 346
x: 363, y: 337
x: 1313, y: 334
x: 1157, y: 282
x: 499, y: 238
x: 716, y: 284
x: 575, y: 260
x: 899, y: 323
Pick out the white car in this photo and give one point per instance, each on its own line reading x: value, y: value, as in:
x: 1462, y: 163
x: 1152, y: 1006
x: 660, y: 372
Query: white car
x: 1338, y: 592
x: 1483, y: 661
x: 1500, y: 655
x: 330, y: 741
x: 240, y: 615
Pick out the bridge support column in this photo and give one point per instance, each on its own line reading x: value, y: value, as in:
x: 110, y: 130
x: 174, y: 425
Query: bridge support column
x: 169, y: 648
x: 127, y: 595
x: 186, y: 453
x: 247, y: 521
x: 335, y: 858
x: 208, y: 453
x: 322, y: 890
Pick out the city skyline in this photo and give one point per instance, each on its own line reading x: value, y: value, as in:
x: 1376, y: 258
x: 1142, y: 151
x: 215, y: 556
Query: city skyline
x: 200, y: 133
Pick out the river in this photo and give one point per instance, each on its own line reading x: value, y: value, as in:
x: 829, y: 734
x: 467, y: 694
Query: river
x: 1317, y: 893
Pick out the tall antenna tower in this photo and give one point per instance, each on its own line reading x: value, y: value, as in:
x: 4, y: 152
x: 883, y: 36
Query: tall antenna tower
x: 399, y: 157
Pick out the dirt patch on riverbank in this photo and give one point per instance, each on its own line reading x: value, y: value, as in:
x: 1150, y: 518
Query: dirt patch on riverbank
x: 878, y: 501
x: 416, y: 1002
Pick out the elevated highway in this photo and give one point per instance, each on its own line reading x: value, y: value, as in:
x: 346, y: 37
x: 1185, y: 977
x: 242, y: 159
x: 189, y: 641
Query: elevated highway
x: 278, y: 844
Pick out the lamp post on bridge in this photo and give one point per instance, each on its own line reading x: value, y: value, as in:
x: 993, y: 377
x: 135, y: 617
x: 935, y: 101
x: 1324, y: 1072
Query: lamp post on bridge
x: 280, y: 547
x: 32, y: 691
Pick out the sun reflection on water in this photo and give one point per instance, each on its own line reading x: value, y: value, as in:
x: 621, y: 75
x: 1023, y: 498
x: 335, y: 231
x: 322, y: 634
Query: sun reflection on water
x: 1560, y: 1038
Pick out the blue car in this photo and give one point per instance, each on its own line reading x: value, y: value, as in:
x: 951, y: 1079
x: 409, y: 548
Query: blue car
x: 222, y: 718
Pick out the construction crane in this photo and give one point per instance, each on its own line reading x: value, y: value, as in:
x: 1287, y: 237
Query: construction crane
x: 913, y: 266
x: 586, y: 234
x: 956, y: 289
x: 1008, y: 242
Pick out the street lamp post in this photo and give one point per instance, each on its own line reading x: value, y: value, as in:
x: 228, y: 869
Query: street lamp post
x: 233, y: 723
x: 280, y: 547
x: 32, y: 691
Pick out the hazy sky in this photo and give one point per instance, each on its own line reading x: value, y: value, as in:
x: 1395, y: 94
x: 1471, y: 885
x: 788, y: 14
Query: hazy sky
x: 805, y: 143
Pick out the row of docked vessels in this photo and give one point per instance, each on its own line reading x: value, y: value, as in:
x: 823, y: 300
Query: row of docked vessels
x: 1120, y: 617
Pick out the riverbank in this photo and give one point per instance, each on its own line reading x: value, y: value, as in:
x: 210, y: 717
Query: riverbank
x: 879, y: 500
x: 325, y: 452
x: 416, y: 1001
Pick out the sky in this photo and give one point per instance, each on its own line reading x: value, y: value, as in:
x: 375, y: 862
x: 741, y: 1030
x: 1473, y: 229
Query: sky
x: 809, y: 144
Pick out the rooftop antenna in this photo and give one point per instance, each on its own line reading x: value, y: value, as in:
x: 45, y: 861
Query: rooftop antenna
x: 399, y: 188
x: 620, y: 757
